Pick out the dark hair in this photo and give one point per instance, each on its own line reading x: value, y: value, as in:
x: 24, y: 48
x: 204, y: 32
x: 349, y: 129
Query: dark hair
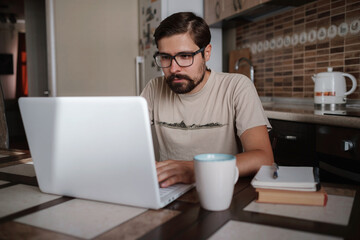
x: 183, y: 22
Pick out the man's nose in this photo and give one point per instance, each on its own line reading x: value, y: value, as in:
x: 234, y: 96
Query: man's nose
x: 174, y: 66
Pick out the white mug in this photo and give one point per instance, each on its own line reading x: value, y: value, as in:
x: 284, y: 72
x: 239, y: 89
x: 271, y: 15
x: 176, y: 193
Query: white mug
x: 216, y: 175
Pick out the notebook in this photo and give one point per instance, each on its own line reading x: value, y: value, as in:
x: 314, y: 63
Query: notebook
x: 97, y: 148
x: 289, y: 178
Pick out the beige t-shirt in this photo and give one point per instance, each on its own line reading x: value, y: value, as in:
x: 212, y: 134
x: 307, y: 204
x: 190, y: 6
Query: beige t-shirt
x: 209, y: 121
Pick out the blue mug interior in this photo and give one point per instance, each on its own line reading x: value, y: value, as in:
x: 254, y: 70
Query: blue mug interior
x: 214, y: 157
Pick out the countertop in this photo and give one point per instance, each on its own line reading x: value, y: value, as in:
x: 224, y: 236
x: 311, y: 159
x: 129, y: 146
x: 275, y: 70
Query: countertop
x: 296, y: 110
x: 27, y: 213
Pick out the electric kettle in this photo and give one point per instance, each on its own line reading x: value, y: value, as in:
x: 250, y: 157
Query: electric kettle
x: 330, y: 88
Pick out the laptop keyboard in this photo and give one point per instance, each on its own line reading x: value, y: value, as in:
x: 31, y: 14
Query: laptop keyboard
x: 170, y: 189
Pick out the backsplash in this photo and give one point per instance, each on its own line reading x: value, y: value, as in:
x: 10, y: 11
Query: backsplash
x: 287, y: 49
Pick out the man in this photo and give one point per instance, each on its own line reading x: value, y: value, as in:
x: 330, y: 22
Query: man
x: 195, y: 110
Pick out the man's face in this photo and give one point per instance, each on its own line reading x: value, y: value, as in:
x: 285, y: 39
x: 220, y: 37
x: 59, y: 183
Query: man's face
x: 184, y: 79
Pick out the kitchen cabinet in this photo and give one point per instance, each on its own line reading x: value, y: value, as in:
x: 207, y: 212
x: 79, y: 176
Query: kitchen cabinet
x: 231, y: 7
x: 212, y: 11
x: 338, y: 153
x: 217, y: 10
x: 293, y: 143
x: 335, y: 150
x: 222, y: 12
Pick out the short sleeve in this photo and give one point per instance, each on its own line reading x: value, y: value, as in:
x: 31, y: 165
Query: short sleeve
x: 248, y: 108
x: 148, y: 94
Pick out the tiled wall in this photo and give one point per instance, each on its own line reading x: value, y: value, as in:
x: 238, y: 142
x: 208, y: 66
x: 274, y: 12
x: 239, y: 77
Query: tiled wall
x: 287, y: 49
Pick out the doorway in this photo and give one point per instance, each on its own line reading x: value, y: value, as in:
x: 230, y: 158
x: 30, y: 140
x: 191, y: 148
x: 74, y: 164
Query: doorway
x: 14, y: 78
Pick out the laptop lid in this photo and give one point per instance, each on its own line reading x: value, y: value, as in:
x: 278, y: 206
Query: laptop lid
x: 97, y: 148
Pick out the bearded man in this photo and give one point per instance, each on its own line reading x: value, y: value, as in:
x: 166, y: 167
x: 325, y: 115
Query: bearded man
x: 196, y: 110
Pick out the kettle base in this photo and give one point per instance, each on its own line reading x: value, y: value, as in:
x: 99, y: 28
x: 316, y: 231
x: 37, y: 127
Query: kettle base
x: 330, y: 106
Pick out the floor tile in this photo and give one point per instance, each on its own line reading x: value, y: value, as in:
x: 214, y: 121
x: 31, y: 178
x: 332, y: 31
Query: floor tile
x: 20, y: 169
x: 19, y: 197
x: 249, y: 231
x: 3, y: 182
x: 14, y: 230
x: 140, y: 225
x: 81, y: 218
x: 11, y: 153
x: 337, y: 210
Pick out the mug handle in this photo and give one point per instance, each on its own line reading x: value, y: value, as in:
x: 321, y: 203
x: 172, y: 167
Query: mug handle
x: 236, y: 174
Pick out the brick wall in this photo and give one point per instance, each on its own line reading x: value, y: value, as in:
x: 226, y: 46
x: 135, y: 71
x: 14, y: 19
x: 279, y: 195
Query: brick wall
x: 287, y: 49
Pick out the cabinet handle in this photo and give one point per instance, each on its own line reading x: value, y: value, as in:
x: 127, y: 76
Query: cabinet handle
x: 348, y: 145
x: 288, y: 137
x: 239, y: 2
x: 217, y: 9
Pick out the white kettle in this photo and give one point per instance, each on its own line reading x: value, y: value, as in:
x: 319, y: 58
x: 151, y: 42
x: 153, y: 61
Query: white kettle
x: 330, y: 87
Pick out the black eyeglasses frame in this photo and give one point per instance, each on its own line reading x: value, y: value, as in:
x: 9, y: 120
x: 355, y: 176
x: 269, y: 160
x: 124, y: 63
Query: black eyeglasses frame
x: 174, y: 57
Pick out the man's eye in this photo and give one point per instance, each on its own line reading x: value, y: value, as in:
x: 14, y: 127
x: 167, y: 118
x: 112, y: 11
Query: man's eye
x: 165, y: 57
x: 185, y: 56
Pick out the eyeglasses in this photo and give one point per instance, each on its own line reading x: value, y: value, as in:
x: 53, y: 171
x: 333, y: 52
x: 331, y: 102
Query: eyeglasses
x: 183, y: 59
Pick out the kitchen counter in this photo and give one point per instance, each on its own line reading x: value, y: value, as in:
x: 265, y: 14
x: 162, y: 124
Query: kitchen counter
x: 296, y: 110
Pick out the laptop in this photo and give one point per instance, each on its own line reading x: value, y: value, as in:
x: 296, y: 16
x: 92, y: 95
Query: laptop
x: 97, y: 148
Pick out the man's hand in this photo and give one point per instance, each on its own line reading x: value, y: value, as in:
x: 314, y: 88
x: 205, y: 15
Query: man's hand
x: 170, y: 172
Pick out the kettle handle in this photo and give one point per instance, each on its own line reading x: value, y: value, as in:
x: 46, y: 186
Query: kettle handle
x: 313, y: 77
x: 354, y: 84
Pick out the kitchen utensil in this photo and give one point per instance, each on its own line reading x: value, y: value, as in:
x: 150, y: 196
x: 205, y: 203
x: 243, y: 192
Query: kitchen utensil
x: 330, y: 89
x: 234, y: 56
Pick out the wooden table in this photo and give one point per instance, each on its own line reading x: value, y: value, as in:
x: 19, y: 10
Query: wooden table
x: 182, y: 219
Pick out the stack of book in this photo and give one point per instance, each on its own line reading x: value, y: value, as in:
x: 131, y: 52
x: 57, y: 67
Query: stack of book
x: 289, y: 185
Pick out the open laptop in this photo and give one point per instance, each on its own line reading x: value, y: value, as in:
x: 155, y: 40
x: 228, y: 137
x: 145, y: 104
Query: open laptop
x: 97, y: 148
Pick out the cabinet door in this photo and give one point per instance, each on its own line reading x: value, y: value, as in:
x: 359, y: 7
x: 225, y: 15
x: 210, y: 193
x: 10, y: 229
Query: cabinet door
x: 231, y: 7
x: 217, y: 10
x: 294, y: 143
x: 213, y: 11
x: 247, y: 4
x: 338, y: 153
x: 338, y: 141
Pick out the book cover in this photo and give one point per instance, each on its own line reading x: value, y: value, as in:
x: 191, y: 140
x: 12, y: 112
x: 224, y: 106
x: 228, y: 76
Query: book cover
x: 318, y: 198
x: 289, y: 178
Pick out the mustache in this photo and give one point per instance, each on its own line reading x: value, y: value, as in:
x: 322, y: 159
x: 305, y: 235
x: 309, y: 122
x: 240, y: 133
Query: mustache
x: 180, y: 76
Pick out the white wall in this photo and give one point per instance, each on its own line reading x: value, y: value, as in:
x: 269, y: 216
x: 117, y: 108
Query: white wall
x: 96, y: 43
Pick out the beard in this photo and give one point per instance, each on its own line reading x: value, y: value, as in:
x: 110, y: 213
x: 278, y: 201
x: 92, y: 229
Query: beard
x: 188, y: 85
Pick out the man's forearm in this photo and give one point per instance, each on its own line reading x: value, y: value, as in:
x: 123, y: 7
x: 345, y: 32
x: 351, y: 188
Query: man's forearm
x: 250, y: 162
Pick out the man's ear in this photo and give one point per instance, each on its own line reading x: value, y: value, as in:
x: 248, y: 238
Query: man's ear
x: 207, y: 52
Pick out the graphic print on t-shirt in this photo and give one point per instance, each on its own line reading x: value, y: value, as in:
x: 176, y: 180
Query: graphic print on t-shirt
x: 183, y: 126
